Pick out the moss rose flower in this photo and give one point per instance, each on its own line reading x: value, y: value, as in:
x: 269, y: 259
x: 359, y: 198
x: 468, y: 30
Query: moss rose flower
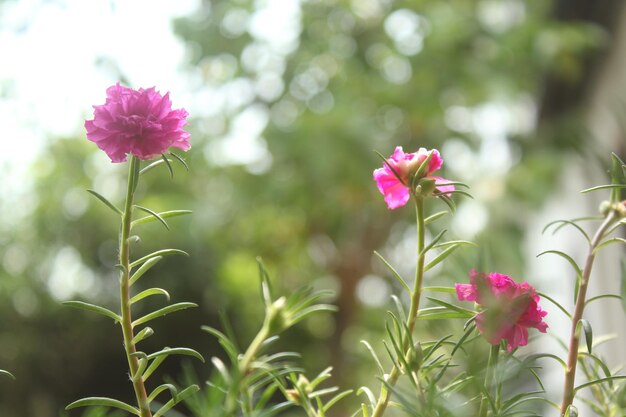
x: 137, y: 122
x: 509, y: 308
x: 396, y: 192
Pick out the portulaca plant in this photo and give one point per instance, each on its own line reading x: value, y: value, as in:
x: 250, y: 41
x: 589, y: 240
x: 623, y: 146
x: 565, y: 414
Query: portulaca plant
x: 140, y: 124
x: 415, y: 376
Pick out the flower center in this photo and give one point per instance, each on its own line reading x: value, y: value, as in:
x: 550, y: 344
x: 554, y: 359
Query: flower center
x: 134, y: 126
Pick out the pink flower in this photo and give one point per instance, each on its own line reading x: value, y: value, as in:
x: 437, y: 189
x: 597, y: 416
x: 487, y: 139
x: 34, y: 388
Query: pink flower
x: 138, y: 122
x: 396, y: 192
x: 509, y: 308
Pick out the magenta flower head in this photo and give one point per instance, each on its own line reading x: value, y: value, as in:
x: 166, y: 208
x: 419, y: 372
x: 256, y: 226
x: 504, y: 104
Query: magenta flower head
x: 137, y: 122
x: 395, y: 186
x: 509, y: 308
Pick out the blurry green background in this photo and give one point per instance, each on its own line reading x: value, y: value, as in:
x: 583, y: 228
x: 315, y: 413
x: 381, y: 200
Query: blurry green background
x: 288, y: 100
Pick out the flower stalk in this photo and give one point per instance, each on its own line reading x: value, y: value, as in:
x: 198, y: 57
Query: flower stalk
x: 393, y: 376
x: 244, y: 366
x: 490, y: 376
x: 124, y: 261
x: 581, y: 298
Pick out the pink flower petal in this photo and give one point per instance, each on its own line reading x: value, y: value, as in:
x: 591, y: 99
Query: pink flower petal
x: 138, y: 122
x: 509, y: 308
x: 465, y: 292
x: 393, y: 177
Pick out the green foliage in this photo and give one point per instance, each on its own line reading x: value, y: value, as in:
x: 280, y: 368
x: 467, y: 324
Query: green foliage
x: 248, y: 383
x: 141, y: 364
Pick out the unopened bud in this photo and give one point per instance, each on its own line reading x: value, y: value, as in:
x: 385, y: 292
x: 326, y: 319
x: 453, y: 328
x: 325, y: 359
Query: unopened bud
x: 293, y: 395
x: 416, y: 357
x: 605, y: 207
x: 426, y: 187
x: 304, y: 384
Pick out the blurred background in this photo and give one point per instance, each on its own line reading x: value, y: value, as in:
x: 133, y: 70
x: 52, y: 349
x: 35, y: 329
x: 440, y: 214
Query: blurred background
x: 287, y: 101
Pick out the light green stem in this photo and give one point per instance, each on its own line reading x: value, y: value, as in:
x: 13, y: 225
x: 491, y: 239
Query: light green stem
x: 490, y: 376
x: 383, y: 398
x: 124, y: 260
x: 244, y: 368
x: 581, y: 299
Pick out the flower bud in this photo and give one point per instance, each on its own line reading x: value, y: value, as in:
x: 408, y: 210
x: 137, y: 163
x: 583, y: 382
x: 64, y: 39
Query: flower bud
x: 304, y: 384
x: 416, y: 357
x: 605, y: 207
x: 293, y: 395
x: 426, y: 187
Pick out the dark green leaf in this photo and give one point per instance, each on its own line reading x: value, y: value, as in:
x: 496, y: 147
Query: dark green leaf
x: 144, y: 268
x: 163, y: 311
x: 176, y: 351
x: 600, y: 297
x: 149, y: 292
x: 163, y: 215
x: 566, y: 257
x: 143, y: 334
x: 566, y: 222
x: 162, y: 252
x: 546, y: 355
x: 556, y: 303
x: 461, y: 192
x: 181, y: 160
x: 395, y: 173
x: 604, y: 187
x: 433, y: 242
x: 160, y: 389
x: 151, y: 166
x: 169, y: 166
x: 599, y: 381
x: 441, y: 256
x: 187, y: 392
x: 106, y: 202
x: 395, y: 273
x: 450, y: 290
x: 435, y: 217
x: 156, y: 362
x: 226, y: 343
x: 455, y: 242
x: 449, y: 202
x: 579, y: 275
x: 104, y: 402
x: 608, y: 242
x: 94, y: 308
x: 302, y: 314
x: 437, y: 313
x: 376, y: 360
x: 154, y: 214
x: 452, y: 307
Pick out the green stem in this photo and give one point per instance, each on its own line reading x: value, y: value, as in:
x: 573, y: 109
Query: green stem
x: 581, y: 298
x: 393, y: 376
x: 489, y: 378
x: 124, y: 260
x: 244, y: 368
